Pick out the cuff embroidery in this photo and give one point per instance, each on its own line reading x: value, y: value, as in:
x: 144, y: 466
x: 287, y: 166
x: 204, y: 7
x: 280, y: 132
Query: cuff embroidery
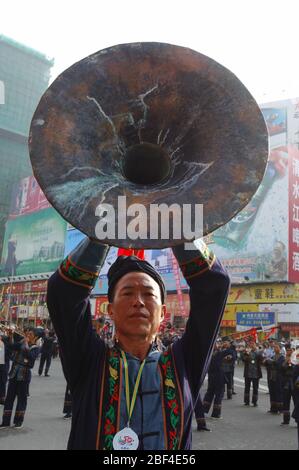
x: 76, y: 275
x: 197, y: 266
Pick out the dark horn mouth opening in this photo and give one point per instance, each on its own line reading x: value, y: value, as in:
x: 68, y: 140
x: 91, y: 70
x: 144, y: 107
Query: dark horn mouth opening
x: 146, y: 164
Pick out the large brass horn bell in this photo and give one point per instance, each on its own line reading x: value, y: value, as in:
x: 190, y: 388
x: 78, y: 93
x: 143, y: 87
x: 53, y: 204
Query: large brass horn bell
x: 154, y: 122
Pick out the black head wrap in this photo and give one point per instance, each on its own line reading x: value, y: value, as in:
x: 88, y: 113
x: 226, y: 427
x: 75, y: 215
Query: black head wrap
x: 38, y: 332
x: 127, y: 264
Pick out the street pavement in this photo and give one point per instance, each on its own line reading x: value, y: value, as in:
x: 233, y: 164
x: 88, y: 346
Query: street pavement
x: 242, y: 428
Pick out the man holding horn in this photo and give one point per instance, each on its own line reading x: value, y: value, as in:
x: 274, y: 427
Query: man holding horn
x: 132, y: 395
x: 144, y: 122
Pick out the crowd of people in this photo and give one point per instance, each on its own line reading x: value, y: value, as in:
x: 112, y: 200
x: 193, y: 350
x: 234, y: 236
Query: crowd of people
x: 277, y: 361
x: 22, y: 349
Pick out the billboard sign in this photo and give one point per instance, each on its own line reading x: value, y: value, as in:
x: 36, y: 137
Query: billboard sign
x: 33, y: 243
x: 276, y: 120
x: 265, y: 293
x: 261, y: 243
x: 294, y: 215
x: 27, y: 197
x: 248, y: 320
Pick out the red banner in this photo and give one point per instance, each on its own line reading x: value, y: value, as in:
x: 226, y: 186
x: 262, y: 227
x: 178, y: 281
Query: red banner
x: 24, y: 287
x: 269, y: 333
x: 173, y: 305
x: 130, y: 252
x: 293, y: 214
x: 244, y: 334
x: 228, y: 323
x: 101, y: 307
x: 176, y: 272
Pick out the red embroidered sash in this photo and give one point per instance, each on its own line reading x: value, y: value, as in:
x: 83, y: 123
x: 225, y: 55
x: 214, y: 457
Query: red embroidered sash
x: 109, y: 410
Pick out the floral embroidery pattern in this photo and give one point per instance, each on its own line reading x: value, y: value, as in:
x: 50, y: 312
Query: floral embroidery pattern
x: 171, y: 400
x: 111, y: 397
x: 110, y: 401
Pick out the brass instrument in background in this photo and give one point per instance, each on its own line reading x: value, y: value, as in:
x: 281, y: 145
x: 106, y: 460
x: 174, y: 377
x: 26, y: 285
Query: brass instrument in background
x: 13, y: 329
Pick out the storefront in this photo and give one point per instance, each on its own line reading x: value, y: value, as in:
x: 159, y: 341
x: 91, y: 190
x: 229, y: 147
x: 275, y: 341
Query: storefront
x: 289, y: 330
x: 24, y: 303
x: 279, y: 299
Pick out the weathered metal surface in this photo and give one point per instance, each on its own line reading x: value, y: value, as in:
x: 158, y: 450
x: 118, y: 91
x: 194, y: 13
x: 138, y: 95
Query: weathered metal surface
x: 197, y: 110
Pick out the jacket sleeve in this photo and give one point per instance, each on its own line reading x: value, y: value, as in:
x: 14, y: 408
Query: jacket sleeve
x: 14, y: 346
x: 31, y: 354
x: 69, y: 307
x: 209, y: 287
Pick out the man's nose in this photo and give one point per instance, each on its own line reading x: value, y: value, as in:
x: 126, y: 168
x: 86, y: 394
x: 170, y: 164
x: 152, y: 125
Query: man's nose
x: 138, y: 299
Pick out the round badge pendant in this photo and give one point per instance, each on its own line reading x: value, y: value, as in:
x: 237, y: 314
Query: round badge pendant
x: 126, y: 439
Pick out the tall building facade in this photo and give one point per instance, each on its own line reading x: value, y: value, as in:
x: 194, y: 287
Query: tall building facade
x: 24, y: 76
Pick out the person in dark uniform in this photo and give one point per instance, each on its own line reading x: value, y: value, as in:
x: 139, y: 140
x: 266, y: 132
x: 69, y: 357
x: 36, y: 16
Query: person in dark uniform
x: 67, y: 406
x: 200, y: 415
x: 55, y: 348
x: 165, y: 383
x: 295, y: 413
x: 46, y: 352
x: 227, y: 367
x: 4, y: 366
x: 216, y: 381
x: 275, y: 380
x: 288, y: 388
x: 235, y: 357
x: 268, y: 354
x: 252, y: 359
x: 24, y: 354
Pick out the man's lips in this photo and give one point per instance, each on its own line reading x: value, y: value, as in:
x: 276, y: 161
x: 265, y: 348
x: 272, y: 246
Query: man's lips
x: 139, y: 315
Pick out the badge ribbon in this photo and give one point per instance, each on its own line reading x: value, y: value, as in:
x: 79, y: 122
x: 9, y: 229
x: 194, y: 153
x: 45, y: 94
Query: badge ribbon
x: 127, y: 439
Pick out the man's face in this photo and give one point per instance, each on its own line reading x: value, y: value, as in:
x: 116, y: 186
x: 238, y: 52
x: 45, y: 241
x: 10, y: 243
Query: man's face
x: 289, y: 352
x: 31, y: 337
x: 136, y: 309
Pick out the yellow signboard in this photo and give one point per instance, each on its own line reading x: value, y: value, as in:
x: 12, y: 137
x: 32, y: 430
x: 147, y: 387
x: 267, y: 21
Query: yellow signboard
x: 231, y: 310
x: 264, y: 293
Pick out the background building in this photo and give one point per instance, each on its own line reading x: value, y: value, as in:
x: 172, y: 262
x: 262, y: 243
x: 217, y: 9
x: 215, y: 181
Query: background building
x: 24, y: 76
x: 260, y: 246
x: 33, y: 247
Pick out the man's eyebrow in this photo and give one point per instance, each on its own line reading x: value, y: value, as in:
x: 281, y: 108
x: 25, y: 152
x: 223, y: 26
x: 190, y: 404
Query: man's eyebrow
x: 147, y: 286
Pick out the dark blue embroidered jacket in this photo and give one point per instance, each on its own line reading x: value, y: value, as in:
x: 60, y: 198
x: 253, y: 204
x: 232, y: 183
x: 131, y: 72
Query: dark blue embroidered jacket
x: 23, y: 358
x: 82, y: 351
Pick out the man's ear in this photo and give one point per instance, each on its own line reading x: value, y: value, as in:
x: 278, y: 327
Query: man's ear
x: 110, y: 311
x: 163, y: 312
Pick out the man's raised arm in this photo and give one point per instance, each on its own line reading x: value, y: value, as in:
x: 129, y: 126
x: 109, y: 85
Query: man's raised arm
x: 69, y: 307
x: 209, y: 286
